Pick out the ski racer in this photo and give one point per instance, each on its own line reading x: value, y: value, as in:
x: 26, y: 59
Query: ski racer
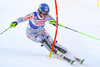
x: 37, y: 33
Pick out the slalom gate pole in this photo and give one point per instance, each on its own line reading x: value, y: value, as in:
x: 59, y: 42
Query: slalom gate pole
x: 56, y: 29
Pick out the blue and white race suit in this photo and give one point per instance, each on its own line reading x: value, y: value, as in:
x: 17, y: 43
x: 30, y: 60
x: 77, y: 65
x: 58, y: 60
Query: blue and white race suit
x: 36, y: 31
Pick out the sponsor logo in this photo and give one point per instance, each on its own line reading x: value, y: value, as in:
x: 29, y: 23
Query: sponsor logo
x: 27, y: 18
x: 39, y: 22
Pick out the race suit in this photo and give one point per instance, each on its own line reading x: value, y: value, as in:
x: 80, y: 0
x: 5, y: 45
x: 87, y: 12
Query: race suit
x: 37, y: 33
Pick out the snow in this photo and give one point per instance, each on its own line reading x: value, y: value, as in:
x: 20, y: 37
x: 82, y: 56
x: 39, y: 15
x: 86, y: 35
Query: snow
x: 16, y: 50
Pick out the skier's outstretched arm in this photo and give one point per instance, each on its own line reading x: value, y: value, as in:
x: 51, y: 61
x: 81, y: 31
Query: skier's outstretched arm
x: 51, y: 20
x: 22, y: 19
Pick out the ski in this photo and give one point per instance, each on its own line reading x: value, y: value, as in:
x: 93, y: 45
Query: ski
x: 69, y: 60
x: 79, y: 60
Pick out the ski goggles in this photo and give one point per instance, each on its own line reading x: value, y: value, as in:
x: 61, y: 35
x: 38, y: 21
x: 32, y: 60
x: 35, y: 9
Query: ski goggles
x: 44, y: 13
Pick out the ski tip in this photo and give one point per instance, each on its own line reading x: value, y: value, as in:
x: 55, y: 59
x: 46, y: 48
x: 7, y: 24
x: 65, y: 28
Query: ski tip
x: 81, y: 61
x: 71, y: 62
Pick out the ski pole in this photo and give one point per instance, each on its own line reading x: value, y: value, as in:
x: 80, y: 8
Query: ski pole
x: 5, y: 30
x: 79, y: 32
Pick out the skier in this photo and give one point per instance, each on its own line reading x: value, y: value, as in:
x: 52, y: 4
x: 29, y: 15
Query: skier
x: 36, y: 31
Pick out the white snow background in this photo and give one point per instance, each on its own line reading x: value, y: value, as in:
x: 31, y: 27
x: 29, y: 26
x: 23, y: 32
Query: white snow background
x: 16, y: 50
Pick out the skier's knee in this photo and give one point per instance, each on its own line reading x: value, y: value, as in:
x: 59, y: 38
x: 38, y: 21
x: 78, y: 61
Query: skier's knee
x: 48, y: 46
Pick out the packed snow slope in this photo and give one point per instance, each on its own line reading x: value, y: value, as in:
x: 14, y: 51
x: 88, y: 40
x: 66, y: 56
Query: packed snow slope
x: 16, y: 50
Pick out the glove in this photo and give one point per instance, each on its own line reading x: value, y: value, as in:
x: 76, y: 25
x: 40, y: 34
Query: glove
x: 13, y: 24
x: 53, y: 22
